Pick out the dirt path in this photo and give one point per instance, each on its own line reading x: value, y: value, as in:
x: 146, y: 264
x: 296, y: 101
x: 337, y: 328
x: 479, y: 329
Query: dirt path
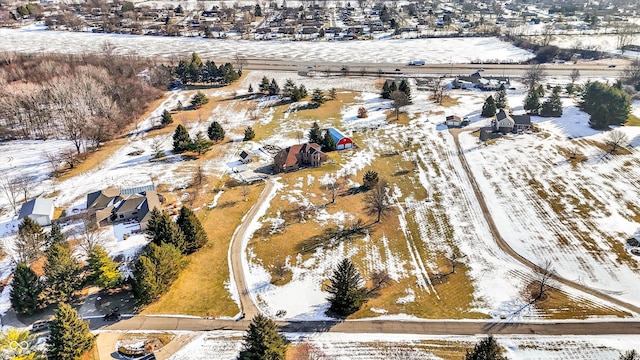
x: 504, y: 246
x: 236, y: 254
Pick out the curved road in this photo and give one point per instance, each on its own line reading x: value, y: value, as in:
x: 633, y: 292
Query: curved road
x: 504, y: 246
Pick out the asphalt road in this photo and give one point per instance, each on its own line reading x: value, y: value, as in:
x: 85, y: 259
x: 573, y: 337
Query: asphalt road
x: 386, y: 69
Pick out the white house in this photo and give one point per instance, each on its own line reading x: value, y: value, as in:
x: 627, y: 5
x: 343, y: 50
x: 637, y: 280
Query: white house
x: 39, y: 210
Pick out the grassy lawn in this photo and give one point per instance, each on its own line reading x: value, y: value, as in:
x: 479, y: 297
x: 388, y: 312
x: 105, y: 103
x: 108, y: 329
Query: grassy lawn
x: 200, y: 289
x: 633, y: 120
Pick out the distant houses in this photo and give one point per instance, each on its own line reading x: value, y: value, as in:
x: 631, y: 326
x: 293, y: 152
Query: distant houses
x: 477, y: 81
x: 113, y: 205
x: 298, y: 156
x: 40, y: 210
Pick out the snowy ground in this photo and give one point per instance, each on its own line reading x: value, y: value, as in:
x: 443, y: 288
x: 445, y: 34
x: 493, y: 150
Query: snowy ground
x: 337, y: 346
x: 391, y: 51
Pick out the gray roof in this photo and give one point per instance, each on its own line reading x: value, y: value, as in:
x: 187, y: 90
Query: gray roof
x: 37, y: 206
x: 137, y: 190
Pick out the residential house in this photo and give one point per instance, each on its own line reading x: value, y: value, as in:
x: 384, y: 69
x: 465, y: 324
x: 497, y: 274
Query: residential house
x: 476, y: 80
x: 113, y: 205
x: 507, y: 122
x: 40, y: 210
x: 298, y: 156
x: 341, y: 140
x: 456, y: 121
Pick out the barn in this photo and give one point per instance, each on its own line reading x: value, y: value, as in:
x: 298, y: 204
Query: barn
x: 39, y: 210
x: 342, y: 142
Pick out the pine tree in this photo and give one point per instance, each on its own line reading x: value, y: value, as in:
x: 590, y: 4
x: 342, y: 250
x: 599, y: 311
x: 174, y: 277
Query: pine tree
x: 181, y: 139
x: 55, y: 236
x: 289, y: 86
x: 553, y: 105
x: 250, y: 89
x: 155, y: 270
x: 264, y: 85
x: 199, y: 99
x: 62, y: 272
x: 200, y: 144
x: 166, y: 118
x: 26, y: 289
x: 249, y: 134
x: 257, y: 11
x: 501, y: 97
x: 263, y: 341
x: 333, y: 94
x: 315, y: 134
x: 404, y: 87
x: 347, y: 293
x: 215, y: 132
x: 194, y: 235
x: 393, y: 87
x: 30, y: 240
x: 103, y: 271
x: 317, y: 97
x: 489, y: 107
x: 386, y: 90
x: 328, y: 143
x: 486, y: 349
x: 69, y: 336
x: 303, y: 91
x: 274, y: 89
x: 532, y: 102
x: 162, y: 230
x: 370, y: 179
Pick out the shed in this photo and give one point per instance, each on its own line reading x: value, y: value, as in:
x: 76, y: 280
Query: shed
x: 342, y: 142
x: 245, y: 157
x: 39, y: 210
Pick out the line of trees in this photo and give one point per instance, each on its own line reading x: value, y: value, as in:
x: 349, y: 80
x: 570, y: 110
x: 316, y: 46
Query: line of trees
x: 182, y: 141
x: 163, y: 259
x: 607, y: 104
x: 193, y: 70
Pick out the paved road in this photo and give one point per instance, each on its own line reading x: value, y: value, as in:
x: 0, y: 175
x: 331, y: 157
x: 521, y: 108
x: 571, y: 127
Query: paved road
x: 237, y: 255
x: 504, y: 246
x: 387, y: 69
x: 444, y: 327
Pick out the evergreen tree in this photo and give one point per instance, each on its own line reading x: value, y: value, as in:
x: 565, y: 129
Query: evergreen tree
x: 393, y: 87
x: 162, y: 230
x: 257, y: 11
x: 250, y: 89
x: 317, y: 97
x: 630, y: 355
x: 607, y: 104
x: 55, y: 236
x: 274, y: 89
x: 303, y: 91
x: 249, y: 134
x: 296, y: 94
x: 26, y: 289
x: 540, y: 91
x: 103, y: 271
x: 333, y: 94
x: 155, y: 270
x: 328, y: 143
x: 264, y: 85
x: 370, y: 179
x: 263, y: 341
x: 489, y: 107
x: 166, y: 118
x: 194, y: 235
x: 62, y: 272
x: 181, y: 139
x: 315, y: 134
x: 200, y: 144
x: 215, y: 132
x: 553, y: 105
x: 30, y: 240
x: 69, y: 336
x: 501, y: 97
x: 289, y: 86
x: 486, y: 349
x: 199, y: 99
x: 532, y: 102
x: 347, y: 293
x: 386, y: 90
x: 404, y: 87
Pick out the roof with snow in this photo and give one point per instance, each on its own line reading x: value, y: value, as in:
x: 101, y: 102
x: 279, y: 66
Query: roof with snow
x: 37, y: 206
x: 137, y: 190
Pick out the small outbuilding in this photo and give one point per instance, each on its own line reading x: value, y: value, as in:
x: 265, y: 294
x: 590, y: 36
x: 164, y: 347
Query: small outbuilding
x: 39, y: 210
x: 245, y: 157
x: 456, y: 121
x: 342, y: 141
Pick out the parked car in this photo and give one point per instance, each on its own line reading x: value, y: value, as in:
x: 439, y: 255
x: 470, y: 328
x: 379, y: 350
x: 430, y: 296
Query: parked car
x: 611, y: 66
x: 40, y: 325
x: 114, y: 315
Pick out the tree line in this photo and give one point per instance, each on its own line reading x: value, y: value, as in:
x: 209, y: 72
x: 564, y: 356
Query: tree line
x: 194, y: 70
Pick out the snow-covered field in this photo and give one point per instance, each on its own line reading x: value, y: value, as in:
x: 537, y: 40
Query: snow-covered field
x: 384, y: 51
x: 337, y: 346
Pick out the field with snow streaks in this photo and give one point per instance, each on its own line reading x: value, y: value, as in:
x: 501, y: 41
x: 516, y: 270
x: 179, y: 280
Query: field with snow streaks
x: 576, y: 216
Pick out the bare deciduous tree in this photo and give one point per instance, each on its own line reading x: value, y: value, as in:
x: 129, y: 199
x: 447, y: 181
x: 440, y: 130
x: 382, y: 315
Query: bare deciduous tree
x: 11, y: 189
x: 542, y: 283
x: 333, y: 187
x: 438, y: 89
x: 534, y: 76
x: 616, y: 139
x: 398, y: 100
x: 90, y: 236
x: 199, y: 177
x: 575, y: 75
x: 377, y: 201
x: 380, y: 279
x: 55, y: 161
x: 244, y: 191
